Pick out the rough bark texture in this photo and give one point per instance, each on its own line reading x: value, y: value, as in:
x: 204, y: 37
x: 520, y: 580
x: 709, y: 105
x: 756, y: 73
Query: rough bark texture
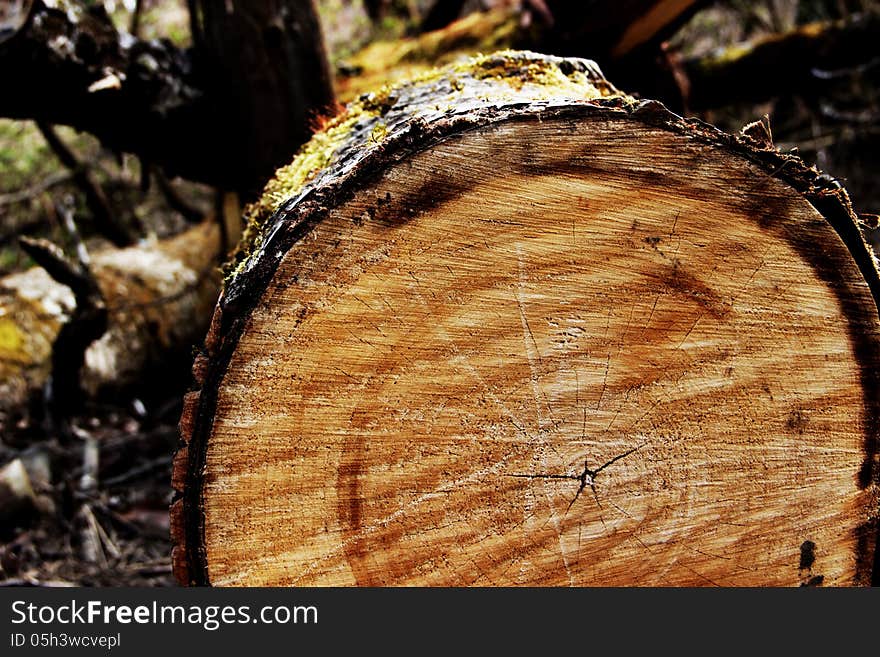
x: 157, y: 295
x: 223, y: 116
x: 507, y: 326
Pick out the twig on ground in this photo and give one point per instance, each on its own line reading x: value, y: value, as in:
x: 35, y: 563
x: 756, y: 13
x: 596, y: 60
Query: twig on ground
x: 28, y: 193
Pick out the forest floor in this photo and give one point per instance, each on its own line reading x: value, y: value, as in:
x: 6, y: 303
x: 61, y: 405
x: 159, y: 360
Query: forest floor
x: 114, y: 532
x: 104, y: 521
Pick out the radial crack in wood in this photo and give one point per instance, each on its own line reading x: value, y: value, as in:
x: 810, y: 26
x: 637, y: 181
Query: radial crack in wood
x: 530, y: 335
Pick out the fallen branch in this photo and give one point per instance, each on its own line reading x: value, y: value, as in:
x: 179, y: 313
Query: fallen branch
x: 137, y: 97
x: 226, y: 115
x: 613, y: 32
x: 28, y: 193
x: 87, y: 323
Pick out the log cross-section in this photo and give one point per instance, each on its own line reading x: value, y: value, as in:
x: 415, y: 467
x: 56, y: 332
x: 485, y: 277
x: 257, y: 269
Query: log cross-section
x: 510, y: 327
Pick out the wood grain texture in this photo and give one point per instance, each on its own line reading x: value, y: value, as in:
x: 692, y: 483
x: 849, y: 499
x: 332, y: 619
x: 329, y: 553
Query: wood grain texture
x: 598, y: 346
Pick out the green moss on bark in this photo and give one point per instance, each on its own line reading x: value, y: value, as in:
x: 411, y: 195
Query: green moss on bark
x: 369, y: 122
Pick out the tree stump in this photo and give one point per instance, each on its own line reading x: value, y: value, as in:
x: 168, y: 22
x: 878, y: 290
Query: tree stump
x: 508, y: 326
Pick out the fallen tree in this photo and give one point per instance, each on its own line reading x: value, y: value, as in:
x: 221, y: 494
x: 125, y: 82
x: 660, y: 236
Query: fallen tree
x: 799, y: 61
x: 505, y: 325
x: 158, y: 295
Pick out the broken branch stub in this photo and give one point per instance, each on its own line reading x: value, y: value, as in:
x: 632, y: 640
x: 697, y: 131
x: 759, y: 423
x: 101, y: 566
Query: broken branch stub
x: 505, y: 325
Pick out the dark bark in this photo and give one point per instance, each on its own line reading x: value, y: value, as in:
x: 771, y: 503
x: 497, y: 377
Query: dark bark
x: 221, y: 117
x: 266, y: 67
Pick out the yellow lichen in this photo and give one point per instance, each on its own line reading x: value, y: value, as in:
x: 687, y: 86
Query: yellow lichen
x: 378, y: 133
x: 544, y: 74
x: 314, y: 156
x: 10, y: 338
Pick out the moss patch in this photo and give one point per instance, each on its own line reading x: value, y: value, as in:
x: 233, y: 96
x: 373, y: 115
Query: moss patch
x: 370, y: 121
x: 11, y: 339
x: 313, y: 157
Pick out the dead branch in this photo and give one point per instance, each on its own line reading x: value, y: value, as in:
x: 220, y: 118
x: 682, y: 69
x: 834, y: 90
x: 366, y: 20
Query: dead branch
x: 226, y: 115
x: 33, y: 191
x: 105, y: 219
x: 87, y: 323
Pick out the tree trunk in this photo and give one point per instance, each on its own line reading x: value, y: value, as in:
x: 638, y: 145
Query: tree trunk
x: 509, y: 327
x: 266, y: 69
x: 158, y: 297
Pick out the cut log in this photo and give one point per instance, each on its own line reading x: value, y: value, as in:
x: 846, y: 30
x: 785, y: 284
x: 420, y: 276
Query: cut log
x: 510, y: 327
x: 608, y: 31
x: 159, y: 296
